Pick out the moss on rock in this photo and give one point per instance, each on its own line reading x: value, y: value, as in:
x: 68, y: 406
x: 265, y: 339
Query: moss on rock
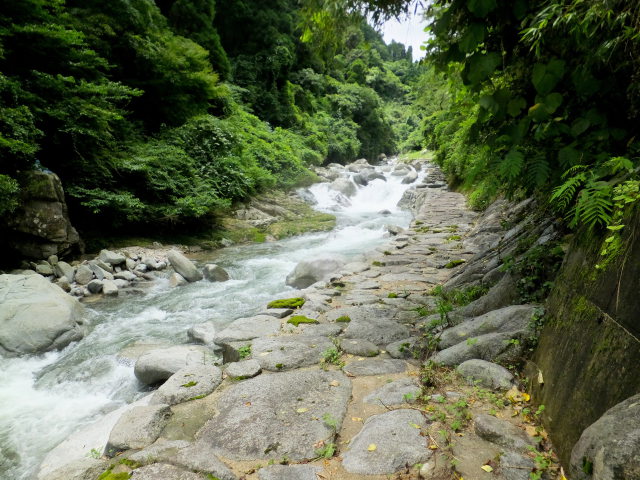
x: 298, y: 319
x: 295, y: 302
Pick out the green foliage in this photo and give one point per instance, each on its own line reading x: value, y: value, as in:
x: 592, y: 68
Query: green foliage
x: 9, y: 190
x: 332, y: 356
x: 343, y: 319
x: 295, y: 302
x: 244, y: 351
x: 328, y: 450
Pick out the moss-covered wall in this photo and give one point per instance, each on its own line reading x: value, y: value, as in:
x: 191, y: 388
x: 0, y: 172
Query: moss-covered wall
x: 589, y: 352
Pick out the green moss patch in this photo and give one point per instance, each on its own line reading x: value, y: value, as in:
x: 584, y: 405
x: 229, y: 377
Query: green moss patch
x: 189, y: 384
x: 296, y: 302
x: 343, y: 319
x: 392, y: 295
x: 454, y: 263
x: 298, y: 319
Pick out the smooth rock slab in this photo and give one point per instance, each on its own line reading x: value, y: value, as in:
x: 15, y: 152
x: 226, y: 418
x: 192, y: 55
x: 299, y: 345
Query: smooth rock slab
x: 138, y: 428
x: 375, y: 366
x: 515, y: 318
x: 80, y: 469
x: 243, y: 369
x: 187, y: 383
x: 398, y: 443
x: 160, y: 451
x: 112, y: 258
x: 277, y: 312
x: 201, y: 457
x: 159, y: 364
x: 486, y: 374
x: 287, y: 352
x: 611, y: 445
x: 401, y: 391
x: 402, y: 348
x: 289, y: 472
x: 373, y: 324
x: 503, y: 433
x: 362, y: 348
x: 248, y: 329
x: 164, y: 471
x: 271, y: 416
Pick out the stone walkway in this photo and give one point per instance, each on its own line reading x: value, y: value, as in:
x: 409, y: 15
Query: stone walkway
x: 342, y: 398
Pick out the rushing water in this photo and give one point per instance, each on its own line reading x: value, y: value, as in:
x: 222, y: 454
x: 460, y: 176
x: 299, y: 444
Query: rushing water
x: 45, y: 398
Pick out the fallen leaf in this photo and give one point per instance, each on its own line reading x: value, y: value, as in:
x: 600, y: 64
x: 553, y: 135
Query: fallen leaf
x: 526, y: 397
x: 487, y: 468
x: 302, y: 410
x: 415, y: 425
x: 248, y: 404
x: 356, y: 419
x: 372, y: 447
x: 334, y: 383
x: 433, y: 447
x: 540, y: 378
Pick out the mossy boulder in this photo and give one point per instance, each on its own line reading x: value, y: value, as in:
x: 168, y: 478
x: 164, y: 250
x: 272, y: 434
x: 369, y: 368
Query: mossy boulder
x: 298, y: 319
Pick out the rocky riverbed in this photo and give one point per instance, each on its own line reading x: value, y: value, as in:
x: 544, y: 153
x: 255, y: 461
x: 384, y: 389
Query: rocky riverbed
x: 329, y: 386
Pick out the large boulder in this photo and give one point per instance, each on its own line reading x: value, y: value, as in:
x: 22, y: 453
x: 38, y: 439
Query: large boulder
x: 40, y: 227
x: 215, y: 273
x: 190, y: 382
x: 36, y: 315
x: 609, y: 449
x: 308, y: 272
x: 344, y: 186
x: 138, y: 428
x: 159, y: 364
x: 184, y: 266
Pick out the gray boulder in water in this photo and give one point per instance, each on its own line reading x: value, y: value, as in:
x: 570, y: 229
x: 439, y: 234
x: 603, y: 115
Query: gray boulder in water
x: 215, y: 273
x: 36, y: 315
x: 184, y: 266
x: 308, y: 272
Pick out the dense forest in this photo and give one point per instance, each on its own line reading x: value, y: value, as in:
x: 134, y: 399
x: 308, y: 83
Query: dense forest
x: 165, y: 112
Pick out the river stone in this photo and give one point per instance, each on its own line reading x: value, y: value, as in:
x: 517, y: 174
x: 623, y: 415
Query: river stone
x: 202, y: 458
x: 138, y: 428
x: 362, y: 348
x: 125, y: 275
x: 272, y: 416
x: 215, y: 273
x: 398, y: 444
x: 184, y: 266
x: 130, y: 264
x: 611, y: 445
x: 187, y: 383
x: 308, y: 272
x: 375, y: 366
x: 36, y: 315
x: 493, y: 347
x: 373, y: 324
x: 401, y: 391
x: 344, y: 186
x: 112, y: 258
x: 121, y: 283
x: 95, y: 286
x: 83, y: 275
x: 514, y: 466
x: 109, y: 288
x: 45, y: 269
x: 243, y: 369
x: 360, y: 179
x: 248, y: 329
x: 410, y: 177
x: 289, y: 472
x: 515, y: 318
x: 402, y: 348
x: 288, y: 352
x: 164, y: 471
x: 277, y: 312
x: 486, y: 374
x: 203, y: 333
x: 177, y: 280
x: 63, y: 269
x: 159, y: 364
x: 502, y: 433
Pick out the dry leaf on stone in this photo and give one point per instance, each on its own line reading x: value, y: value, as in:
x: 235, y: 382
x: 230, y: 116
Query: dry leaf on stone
x: 372, y: 447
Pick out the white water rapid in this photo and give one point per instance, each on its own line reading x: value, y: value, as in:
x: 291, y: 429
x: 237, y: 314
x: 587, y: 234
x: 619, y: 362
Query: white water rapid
x: 45, y: 398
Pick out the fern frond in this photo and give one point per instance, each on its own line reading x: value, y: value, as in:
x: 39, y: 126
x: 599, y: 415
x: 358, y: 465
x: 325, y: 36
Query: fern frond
x: 511, y: 165
x: 564, y: 194
x: 538, y: 170
x: 594, y: 205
